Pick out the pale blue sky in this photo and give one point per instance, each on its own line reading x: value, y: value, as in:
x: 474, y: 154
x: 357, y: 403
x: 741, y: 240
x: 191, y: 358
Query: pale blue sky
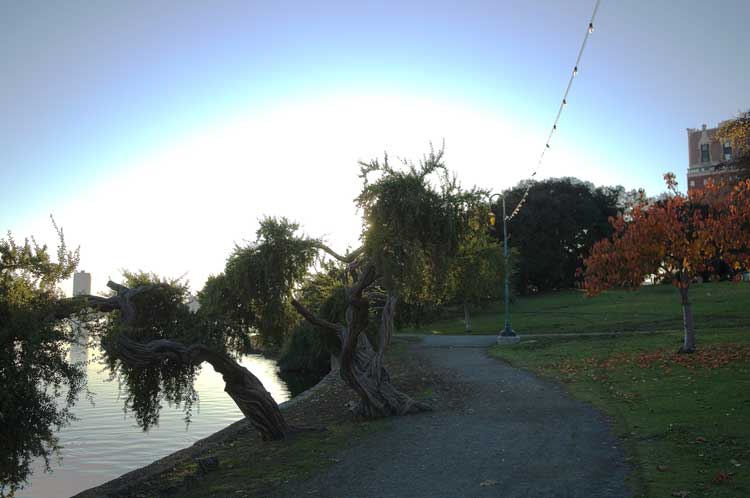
x: 231, y: 110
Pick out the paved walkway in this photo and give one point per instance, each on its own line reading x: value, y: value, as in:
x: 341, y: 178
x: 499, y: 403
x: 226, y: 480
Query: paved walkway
x: 515, y: 436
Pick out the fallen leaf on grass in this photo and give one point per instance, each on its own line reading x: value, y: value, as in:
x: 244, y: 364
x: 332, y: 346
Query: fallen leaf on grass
x: 663, y: 468
x: 700, y: 439
x: 488, y: 482
x: 680, y: 494
x: 720, y: 477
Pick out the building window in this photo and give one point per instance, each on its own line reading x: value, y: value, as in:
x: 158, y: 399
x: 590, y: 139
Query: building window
x: 705, y: 157
x: 692, y: 183
x: 727, y: 149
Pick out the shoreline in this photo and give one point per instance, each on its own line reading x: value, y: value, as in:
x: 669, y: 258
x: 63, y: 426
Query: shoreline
x: 121, y: 484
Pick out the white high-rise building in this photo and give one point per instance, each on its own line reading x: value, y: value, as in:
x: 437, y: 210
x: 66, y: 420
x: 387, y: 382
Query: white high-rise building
x: 81, y: 283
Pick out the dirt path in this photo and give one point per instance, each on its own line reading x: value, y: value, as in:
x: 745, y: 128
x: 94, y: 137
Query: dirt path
x: 514, y: 436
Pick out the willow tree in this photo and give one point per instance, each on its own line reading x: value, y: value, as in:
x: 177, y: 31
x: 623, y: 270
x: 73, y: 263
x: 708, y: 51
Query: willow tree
x: 156, y: 345
x: 414, y: 219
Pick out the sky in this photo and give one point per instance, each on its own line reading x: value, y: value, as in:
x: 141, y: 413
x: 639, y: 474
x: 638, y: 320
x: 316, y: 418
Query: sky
x: 158, y: 133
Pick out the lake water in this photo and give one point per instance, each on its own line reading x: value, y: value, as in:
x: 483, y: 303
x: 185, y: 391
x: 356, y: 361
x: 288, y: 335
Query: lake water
x: 105, y: 442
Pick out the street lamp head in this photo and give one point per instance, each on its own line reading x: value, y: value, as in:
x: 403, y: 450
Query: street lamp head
x: 492, y: 219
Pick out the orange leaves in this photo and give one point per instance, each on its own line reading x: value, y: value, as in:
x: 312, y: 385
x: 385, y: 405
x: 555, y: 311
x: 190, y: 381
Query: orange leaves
x: 676, y: 234
x: 720, y: 477
x: 709, y: 358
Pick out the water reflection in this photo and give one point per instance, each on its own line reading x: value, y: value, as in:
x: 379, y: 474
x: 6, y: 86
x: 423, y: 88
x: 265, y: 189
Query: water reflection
x: 106, y: 442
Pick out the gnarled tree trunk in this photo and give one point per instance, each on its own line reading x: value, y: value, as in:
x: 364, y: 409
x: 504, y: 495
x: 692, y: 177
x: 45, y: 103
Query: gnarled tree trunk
x: 243, y: 387
x: 362, y: 365
x: 240, y: 384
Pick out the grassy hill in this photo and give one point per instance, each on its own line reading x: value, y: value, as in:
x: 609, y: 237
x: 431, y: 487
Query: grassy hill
x: 650, y: 308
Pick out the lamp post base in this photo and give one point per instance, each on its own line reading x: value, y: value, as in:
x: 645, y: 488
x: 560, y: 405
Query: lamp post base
x: 504, y: 340
x: 508, y: 331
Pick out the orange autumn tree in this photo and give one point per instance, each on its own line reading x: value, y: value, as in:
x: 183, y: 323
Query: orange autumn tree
x: 676, y: 237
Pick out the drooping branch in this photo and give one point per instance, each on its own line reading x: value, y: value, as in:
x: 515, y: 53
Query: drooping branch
x: 349, y: 258
x: 240, y: 384
x: 314, y: 319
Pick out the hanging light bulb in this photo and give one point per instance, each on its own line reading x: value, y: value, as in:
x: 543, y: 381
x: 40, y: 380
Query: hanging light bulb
x: 591, y: 27
x: 547, y: 145
x: 575, y: 71
x: 554, y: 127
x: 565, y: 102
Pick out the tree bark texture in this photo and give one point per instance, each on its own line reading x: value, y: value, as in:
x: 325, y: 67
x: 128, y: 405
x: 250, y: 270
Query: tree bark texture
x: 241, y: 385
x: 467, y: 318
x: 362, y: 365
x: 688, y: 343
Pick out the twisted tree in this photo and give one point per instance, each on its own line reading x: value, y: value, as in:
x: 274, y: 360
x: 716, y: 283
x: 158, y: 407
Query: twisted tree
x: 415, y: 219
x: 136, y: 341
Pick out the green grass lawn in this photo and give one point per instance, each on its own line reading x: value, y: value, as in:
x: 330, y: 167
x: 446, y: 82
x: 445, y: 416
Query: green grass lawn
x: 651, y: 308
x: 685, y: 419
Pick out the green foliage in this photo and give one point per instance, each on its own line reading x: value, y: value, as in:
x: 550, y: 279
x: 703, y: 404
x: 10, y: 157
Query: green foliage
x: 259, y: 280
x: 162, y: 314
x: 414, y: 221
x: 145, y: 390
x: 479, y: 267
x: 560, y: 221
x: 305, y: 350
x: 39, y: 383
x: 308, y: 347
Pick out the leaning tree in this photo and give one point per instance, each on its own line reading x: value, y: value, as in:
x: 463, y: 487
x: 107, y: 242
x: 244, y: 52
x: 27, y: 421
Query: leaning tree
x: 415, y: 218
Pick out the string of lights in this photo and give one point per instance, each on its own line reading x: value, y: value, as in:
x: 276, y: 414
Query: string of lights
x: 563, y: 104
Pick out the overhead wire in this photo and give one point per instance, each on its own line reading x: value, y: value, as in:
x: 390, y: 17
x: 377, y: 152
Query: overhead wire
x: 563, y: 104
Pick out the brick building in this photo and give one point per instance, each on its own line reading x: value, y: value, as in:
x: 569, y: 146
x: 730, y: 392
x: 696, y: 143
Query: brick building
x: 706, y: 157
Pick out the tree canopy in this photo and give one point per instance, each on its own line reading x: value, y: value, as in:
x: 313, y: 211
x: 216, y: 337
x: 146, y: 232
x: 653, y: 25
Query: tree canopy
x: 737, y: 132
x: 416, y: 220
x: 677, y: 236
x: 560, y: 221
x: 39, y: 384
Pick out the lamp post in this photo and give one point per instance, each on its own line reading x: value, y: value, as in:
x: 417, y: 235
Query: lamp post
x: 507, y: 330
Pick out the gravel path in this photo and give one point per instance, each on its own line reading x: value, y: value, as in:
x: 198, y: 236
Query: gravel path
x: 513, y: 436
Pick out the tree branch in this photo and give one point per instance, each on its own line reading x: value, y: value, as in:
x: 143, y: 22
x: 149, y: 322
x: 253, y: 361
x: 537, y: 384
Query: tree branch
x: 243, y: 387
x: 344, y: 259
x: 366, y: 278
x: 314, y: 319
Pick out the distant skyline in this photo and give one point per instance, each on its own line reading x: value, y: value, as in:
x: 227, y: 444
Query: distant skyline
x: 158, y: 136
